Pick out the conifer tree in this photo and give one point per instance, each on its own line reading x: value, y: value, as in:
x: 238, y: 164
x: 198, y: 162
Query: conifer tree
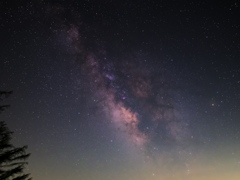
x: 12, y: 159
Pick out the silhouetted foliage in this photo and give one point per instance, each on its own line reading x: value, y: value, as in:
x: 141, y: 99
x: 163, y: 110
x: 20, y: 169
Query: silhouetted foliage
x: 12, y: 159
x: 6, y: 94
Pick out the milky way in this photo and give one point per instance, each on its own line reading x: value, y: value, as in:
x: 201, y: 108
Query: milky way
x: 136, y: 98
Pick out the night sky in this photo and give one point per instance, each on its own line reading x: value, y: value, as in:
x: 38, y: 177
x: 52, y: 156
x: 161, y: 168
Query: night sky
x: 133, y: 90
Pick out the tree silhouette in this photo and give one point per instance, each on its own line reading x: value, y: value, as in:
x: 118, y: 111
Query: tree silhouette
x: 12, y: 159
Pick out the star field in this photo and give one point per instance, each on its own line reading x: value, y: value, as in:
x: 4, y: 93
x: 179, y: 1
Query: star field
x: 124, y: 89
